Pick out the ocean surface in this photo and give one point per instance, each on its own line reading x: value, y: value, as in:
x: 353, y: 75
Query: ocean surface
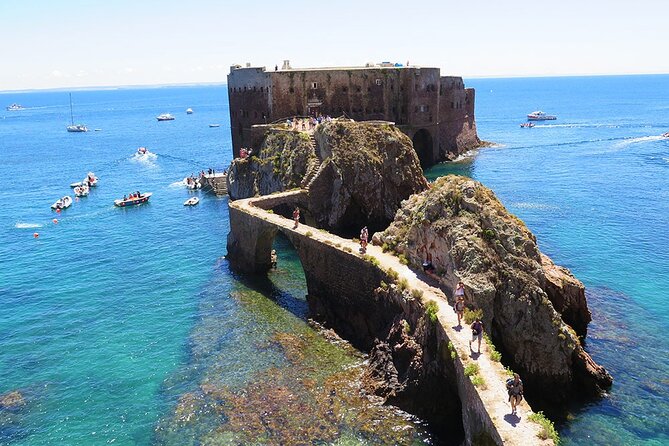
x: 127, y: 327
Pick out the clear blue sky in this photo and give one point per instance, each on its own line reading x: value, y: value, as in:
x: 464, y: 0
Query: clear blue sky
x: 80, y: 43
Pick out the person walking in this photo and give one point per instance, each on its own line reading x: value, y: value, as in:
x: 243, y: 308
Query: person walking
x: 364, y: 235
x: 296, y: 217
x: 459, y: 308
x: 477, y: 333
x: 514, y: 386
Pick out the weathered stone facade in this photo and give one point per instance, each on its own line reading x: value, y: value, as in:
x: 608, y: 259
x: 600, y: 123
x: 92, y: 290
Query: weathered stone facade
x: 436, y: 112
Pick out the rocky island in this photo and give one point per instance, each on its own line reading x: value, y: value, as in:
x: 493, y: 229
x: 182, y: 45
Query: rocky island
x: 344, y: 175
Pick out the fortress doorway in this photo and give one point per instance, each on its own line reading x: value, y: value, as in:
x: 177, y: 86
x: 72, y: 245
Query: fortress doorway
x: 422, y: 144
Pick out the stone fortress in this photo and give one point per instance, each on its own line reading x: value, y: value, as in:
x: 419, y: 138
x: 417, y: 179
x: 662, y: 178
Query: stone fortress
x: 436, y: 112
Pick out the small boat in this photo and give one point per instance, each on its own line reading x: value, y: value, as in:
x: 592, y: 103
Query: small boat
x: 133, y: 200
x: 91, y: 181
x: 75, y: 128
x: 142, y: 151
x: 62, y: 203
x: 98, y: 130
x: 540, y: 116
x: 214, y: 125
x: 82, y: 191
x: 165, y: 117
x: 15, y: 107
x: 189, y: 111
x: 527, y: 125
x: 665, y: 135
x: 191, y: 201
x: 192, y: 183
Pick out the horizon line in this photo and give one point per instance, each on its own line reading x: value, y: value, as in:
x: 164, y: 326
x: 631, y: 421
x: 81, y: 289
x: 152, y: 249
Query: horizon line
x: 217, y: 83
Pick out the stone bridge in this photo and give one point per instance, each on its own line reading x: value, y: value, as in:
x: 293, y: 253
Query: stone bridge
x: 339, y: 277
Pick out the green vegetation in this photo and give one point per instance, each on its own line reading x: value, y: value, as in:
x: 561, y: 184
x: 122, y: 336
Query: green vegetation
x: 393, y: 274
x: 416, y: 294
x: 403, y: 284
x: 403, y: 259
x: 431, y: 309
x: 348, y: 249
x: 478, y: 381
x: 471, y: 315
x: 471, y: 369
x: 371, y: 259
x: 406, y: 328
x: 308, y: 233
x: 494, y: 354
x: 489, y: 234
x: 270, y: 211
x: 385, y: 247
x: 451, y: 348
x: 384, y: 285
x: 547, y: 427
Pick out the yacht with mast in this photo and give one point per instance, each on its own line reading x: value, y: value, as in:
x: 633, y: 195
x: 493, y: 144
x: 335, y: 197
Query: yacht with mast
x: 75, y: 128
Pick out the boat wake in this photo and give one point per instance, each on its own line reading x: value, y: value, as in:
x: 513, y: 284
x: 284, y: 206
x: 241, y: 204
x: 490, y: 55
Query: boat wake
x: 148, y: 159
x: 27, y: 225
x: 177, y: 184
x: 537, y: 206
x: 630, y: 141
x: 571, y: 126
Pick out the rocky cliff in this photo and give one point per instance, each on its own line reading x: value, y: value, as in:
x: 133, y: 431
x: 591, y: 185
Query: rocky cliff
x: 285, y: 158
x: 367, y: 170
x: 530, y: 307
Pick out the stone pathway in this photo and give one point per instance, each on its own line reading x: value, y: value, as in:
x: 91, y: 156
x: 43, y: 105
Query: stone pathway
x: 514, y: 430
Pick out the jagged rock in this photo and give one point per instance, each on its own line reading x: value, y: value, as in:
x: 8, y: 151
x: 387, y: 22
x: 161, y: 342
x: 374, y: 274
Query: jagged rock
x: 370, y: 168
x: 285, y: 158
x: 567, y: 294
x: 473, y: 238
x: 12, y: 400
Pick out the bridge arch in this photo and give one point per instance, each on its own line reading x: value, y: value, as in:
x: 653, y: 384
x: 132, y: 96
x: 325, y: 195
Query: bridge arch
x: 424, y: 146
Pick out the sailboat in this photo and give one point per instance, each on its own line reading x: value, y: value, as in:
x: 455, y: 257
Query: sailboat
x: 75, y: 128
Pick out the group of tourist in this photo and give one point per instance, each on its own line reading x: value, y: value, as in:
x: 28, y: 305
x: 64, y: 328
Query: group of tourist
x: 307, y: 124
x: 245, y: 152
x: 514, y: 386
x: 132, y: 196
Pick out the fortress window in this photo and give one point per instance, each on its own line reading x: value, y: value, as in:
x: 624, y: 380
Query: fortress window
x: 261, y: 89
x: 357, y: 89
x: 424, y: 108
x: 244, y: 87
x: 452, y: 104
x: 254, y: 88
x: 291, y: 90
x: 314, y: 85
x: 378, y: 82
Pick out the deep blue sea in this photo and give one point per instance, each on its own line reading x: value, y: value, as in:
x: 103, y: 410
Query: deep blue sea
x: 120, y: 326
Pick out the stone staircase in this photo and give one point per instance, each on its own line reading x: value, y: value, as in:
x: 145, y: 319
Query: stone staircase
x: 315, y: 165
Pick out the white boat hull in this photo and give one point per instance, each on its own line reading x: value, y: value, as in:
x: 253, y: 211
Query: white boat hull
x: 63, y: 203
x: 192, y: 201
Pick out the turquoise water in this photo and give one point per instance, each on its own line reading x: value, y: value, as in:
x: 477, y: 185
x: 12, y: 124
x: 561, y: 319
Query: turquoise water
x: 127, y: 326
x: 594, y: 188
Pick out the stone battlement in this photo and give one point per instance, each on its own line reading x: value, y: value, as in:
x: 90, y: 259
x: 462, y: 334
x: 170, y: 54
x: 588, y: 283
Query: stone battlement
x: 436, y: 112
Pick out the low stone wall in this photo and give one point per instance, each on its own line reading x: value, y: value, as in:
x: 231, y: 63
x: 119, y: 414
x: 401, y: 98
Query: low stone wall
x: 361, y: 299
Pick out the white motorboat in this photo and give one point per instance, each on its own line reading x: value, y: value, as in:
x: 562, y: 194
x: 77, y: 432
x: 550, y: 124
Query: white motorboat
x: 665, y: 135
x: 15, y: 107
x: 527, y: 125
x: 165, y: 117
x: 91, y: 181
x: 82, y: 191
x: 75, y: 128
x: 214, y: 125
x: 142, y: 151
x: 189, y: 111
x: 62, y: 203
x: 192, y: 201
x: 540, y: 116
x: 192, y: 183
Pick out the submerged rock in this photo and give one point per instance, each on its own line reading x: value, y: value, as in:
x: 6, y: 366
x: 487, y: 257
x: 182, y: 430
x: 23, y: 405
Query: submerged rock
x: 527, y: 301
x: 12, y: 400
